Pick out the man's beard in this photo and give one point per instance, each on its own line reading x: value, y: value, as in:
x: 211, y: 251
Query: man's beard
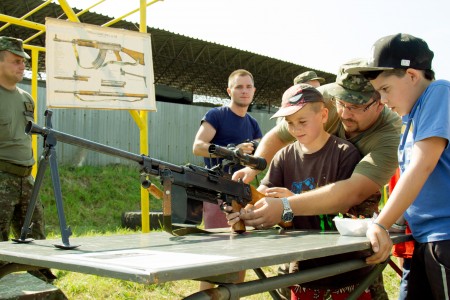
x: 352, y: 127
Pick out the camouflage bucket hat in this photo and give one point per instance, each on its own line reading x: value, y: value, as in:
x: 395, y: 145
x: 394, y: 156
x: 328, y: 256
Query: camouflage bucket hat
x: 354, y: 89
x: 13, y: 45
x: 307, y: 76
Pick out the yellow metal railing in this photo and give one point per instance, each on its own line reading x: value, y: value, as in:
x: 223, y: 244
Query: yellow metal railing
x: 140, y: 117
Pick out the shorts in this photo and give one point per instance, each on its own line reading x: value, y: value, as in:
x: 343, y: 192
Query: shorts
x: 213, y: 216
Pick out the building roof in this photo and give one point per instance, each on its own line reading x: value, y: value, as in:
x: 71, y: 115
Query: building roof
x: 179, y: 61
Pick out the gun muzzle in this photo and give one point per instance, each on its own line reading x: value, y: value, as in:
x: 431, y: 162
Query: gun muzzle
x: 33, y: 128
x: 254, y: 162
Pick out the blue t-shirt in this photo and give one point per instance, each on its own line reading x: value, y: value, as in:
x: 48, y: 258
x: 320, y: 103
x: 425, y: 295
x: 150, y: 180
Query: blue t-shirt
x: 230, y: 129
x: 429, y: 214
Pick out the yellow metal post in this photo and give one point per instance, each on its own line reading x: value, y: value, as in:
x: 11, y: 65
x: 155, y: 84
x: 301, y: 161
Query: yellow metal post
x: 68, y: 11
x: 145, y: 202
x: 34, y: 95
x: 23, y: 23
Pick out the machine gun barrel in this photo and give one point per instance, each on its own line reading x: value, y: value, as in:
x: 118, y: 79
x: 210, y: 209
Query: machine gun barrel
x: 33, y: 128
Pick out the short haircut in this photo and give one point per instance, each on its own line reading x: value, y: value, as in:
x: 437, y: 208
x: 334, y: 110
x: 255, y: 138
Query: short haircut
x: 371, y: 75
x: 237, y: 73
x: 316, y: 106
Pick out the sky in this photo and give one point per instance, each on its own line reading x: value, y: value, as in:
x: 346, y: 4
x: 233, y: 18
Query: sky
x: 317, y: 34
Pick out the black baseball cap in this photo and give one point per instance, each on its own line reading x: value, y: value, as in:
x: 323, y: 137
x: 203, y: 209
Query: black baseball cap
x: 399, y: 51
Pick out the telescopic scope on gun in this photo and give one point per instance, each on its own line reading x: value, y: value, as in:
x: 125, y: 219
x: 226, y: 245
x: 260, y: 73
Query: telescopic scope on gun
x: 254, y: 162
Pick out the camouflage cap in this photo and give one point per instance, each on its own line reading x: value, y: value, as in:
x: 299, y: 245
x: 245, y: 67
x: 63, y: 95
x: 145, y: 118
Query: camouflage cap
x: 307, y: 76
x: 354, y: 89
x: 13, y: 45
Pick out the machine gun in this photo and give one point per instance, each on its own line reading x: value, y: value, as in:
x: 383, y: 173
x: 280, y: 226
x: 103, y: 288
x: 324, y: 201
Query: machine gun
x: 103, y: 48
x: 206, y: 185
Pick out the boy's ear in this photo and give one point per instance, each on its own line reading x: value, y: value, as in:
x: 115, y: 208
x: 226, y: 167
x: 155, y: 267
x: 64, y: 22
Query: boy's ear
x: 324, y: 114
x: 414, y: 75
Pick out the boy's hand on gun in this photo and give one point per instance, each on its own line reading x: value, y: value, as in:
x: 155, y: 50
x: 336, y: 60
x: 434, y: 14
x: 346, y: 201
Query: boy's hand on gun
x: 246, y: 174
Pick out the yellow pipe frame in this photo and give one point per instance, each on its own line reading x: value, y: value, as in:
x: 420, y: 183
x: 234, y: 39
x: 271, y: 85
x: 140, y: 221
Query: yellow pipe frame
x: 140, y: 117
x: 77, y: 14
x: 23, y: 23
x: 68, y: 11
x: 143, y: 134
x: 129, y: 14
x: 28, y: 14
x: 34, y: 95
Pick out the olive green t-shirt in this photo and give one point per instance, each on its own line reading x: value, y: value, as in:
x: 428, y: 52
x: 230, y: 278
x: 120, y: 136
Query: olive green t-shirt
x: 16, y: 109
x: 378, y: 145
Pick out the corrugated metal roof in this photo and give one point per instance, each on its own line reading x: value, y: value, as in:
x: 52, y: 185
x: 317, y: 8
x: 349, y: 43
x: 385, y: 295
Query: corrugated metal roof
x: 182, y: 62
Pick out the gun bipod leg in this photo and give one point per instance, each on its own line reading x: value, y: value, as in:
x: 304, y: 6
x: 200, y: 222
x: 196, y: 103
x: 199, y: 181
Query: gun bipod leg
x: 175, y: 230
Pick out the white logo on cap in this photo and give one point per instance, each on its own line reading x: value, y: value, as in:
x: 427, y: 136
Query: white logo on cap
x: 405, y: 62
x: 371, y: 59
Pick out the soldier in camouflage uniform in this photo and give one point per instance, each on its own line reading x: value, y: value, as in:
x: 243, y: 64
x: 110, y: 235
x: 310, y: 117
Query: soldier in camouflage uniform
x: 355, y: 114
x: 16, y: 155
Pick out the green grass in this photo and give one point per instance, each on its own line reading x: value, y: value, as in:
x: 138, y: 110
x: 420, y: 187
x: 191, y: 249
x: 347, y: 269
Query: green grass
x: 94, y: 200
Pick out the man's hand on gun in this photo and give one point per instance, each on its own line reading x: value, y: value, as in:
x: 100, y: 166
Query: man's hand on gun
x: 246, y: 148
x: 264, y: 214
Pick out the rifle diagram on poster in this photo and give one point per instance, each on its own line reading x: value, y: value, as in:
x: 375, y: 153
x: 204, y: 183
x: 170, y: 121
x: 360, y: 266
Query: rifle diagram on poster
x: 95, y: 67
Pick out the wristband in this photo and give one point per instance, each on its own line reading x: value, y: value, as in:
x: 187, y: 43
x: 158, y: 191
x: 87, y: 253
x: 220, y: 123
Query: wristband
x: 398, y: 227
x: 382, y: 227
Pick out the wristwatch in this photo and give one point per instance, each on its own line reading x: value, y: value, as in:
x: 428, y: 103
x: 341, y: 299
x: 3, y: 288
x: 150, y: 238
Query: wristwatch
x: 287, y: 215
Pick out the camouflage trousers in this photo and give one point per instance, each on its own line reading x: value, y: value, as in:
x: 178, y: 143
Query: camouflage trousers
x: 15, y: 195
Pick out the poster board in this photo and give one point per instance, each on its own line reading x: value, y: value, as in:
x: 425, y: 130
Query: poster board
x: 96, y: 67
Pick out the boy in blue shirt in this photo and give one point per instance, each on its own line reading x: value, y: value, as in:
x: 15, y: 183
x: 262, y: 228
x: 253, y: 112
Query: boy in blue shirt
x: 400, y: 69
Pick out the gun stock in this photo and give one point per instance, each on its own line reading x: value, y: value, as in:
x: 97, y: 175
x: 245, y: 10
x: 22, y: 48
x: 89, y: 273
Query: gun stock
x: 136, y: 55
